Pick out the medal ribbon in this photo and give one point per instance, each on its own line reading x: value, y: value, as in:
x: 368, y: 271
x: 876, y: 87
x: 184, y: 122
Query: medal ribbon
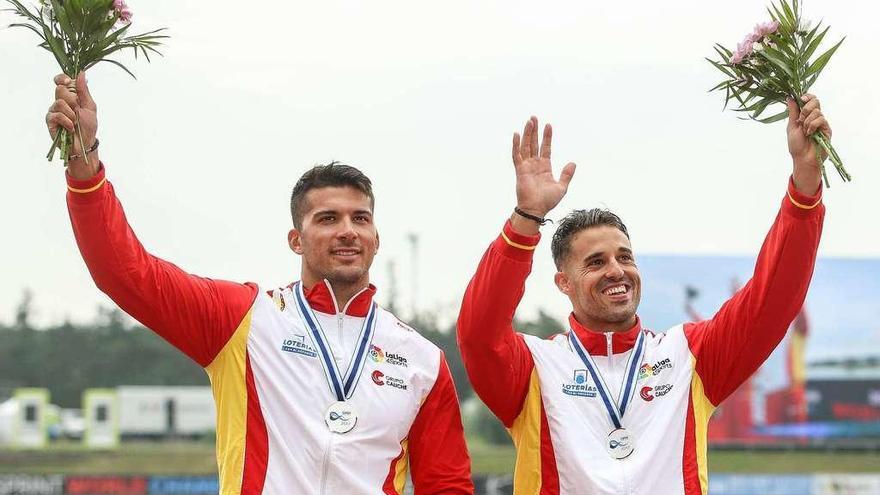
x: 341, y: 385
x: 617, y: 409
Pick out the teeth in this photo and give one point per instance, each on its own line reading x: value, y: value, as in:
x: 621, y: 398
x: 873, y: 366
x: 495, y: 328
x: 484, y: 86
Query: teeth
x: 620, y: 289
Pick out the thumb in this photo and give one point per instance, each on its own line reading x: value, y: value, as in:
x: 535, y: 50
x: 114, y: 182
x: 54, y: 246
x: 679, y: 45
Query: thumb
x: 793, y: 112
x: 82, y: 91
x: 566, y: 174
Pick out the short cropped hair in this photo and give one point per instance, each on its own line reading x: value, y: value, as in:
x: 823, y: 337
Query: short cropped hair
x: 333, y: 174
x: 575, y: 222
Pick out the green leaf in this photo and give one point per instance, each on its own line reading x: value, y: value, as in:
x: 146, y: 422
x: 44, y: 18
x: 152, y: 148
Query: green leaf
x: 792, y: 19
x: 775, y: 60
x: 114, y: 63
x: 723, y: 84
x: 759, y: 107
x: 29, y: 26
x: 63, y: 20
x: 823, y: 59
x: 783, y: 21
x: 23, y: 11
x: 57, y: 49
x: 775, y: 118
x: 811, y: 48
x: 727, y: 52
x: 721, y: 67
x: 809, y: 37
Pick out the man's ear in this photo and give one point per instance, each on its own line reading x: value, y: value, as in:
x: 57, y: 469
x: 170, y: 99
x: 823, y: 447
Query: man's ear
x: 294, y: 240
x: 377, y: 241
x: 562, y: 283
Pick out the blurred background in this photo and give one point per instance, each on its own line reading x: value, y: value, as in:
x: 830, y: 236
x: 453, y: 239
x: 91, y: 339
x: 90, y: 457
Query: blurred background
x: 117, y: 410
x: 205, y: 146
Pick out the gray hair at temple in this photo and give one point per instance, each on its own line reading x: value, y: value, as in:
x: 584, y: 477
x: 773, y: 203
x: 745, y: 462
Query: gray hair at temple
x: 577, y: 221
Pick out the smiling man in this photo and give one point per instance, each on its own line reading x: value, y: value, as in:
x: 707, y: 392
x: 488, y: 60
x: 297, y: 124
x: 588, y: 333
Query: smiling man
x: 319, y: 390
x: 610, y: 407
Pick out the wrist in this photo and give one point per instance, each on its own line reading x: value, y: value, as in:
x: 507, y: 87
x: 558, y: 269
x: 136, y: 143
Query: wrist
x: 80, y: 169
x: 807, y: 175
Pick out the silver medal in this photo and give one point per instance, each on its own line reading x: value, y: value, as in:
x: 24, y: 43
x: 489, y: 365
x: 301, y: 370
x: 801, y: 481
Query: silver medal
x: 340, y: 417
x: 620, y: 443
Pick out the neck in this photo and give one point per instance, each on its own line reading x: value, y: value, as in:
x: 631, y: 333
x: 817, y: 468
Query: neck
x: 342, y: 292
x: 594, y: 325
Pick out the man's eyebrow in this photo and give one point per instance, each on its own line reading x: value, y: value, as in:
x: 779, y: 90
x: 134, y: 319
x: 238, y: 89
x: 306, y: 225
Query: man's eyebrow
x: 597, y: 254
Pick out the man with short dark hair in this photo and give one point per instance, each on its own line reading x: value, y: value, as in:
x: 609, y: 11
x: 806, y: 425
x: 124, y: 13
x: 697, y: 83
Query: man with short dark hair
x: 610, y: 407
x: 318, y: 389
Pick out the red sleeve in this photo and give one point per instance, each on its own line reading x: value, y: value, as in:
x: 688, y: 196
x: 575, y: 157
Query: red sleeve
x: 496, y: 358
x: 196, y: 315
x: 740, y: 337
x: 438, y: 453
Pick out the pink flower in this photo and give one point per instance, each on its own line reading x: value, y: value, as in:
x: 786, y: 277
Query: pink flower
x: 764, y: 29
x: 122, y: 9
x: 743, y: 50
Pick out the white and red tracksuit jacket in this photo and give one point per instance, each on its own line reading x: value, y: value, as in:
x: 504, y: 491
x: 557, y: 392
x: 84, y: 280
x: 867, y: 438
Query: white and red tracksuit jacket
x: 532, y: 384
x: 268, y: 382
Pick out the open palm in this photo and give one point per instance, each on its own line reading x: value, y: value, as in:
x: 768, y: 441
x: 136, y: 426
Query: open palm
x: 537, y: 191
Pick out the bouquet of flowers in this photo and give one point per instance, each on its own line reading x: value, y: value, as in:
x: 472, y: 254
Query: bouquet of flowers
x: 774, y: 63
x: 79, y: 34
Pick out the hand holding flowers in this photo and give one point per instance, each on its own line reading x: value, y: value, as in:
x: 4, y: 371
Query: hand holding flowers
x: 79, y: 34
x: 773, y: 65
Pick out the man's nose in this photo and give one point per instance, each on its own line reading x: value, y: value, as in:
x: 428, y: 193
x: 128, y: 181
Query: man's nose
x: 347, y: 230
x: 614, y: 270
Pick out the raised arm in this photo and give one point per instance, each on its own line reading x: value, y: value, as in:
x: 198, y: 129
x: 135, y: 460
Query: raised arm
x: 196, y: 315
x: 733, y: 344
x: 496, y: 358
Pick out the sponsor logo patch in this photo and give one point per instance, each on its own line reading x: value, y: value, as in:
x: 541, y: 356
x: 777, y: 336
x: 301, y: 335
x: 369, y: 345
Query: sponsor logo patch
x: 648, y: 370
x: 579, y: 386
x: 381, y: 379
x: 649, y: 393
x: 394, y: 359
x: 297, y: 345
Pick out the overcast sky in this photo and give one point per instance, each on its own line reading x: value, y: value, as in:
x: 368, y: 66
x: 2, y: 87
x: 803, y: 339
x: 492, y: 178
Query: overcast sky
x: 204, y: 147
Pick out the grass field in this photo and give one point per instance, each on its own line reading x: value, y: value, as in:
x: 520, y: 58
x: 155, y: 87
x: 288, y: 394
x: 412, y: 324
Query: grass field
x: 198, y: 459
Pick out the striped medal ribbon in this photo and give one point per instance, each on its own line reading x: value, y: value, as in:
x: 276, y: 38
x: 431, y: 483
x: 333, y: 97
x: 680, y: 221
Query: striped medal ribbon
x: 620, y: 442
x: 341, y: 417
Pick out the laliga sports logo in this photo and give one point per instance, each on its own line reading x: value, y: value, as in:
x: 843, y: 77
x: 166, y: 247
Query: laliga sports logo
x: 377, y: 377
x: 376, y: 355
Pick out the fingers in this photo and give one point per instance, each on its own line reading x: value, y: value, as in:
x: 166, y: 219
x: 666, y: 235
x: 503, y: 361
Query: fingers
x: 811, y: 116
x: 54, y: 120
x: 545, y: 142
x: 62, y: 107
x: 525, y: 150
x: 816, y: 122
x: 566, y: 174
x: 517, y: 158
x: 794, y: 112
x: 82, y: 89
x: 534, y: 144
x: 811, y: 104
x: 64, y: 94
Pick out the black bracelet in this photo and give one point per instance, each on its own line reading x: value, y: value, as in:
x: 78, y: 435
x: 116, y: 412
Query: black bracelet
x: 93, y: 148
x: 540, y: 221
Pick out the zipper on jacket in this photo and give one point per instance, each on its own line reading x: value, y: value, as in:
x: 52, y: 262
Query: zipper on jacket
x: 609, y: 339
x: 326, y: 466
x: 339, y: 320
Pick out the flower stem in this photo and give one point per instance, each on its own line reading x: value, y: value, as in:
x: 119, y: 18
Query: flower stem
x: 828, y: 148
x: 60, y: 136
